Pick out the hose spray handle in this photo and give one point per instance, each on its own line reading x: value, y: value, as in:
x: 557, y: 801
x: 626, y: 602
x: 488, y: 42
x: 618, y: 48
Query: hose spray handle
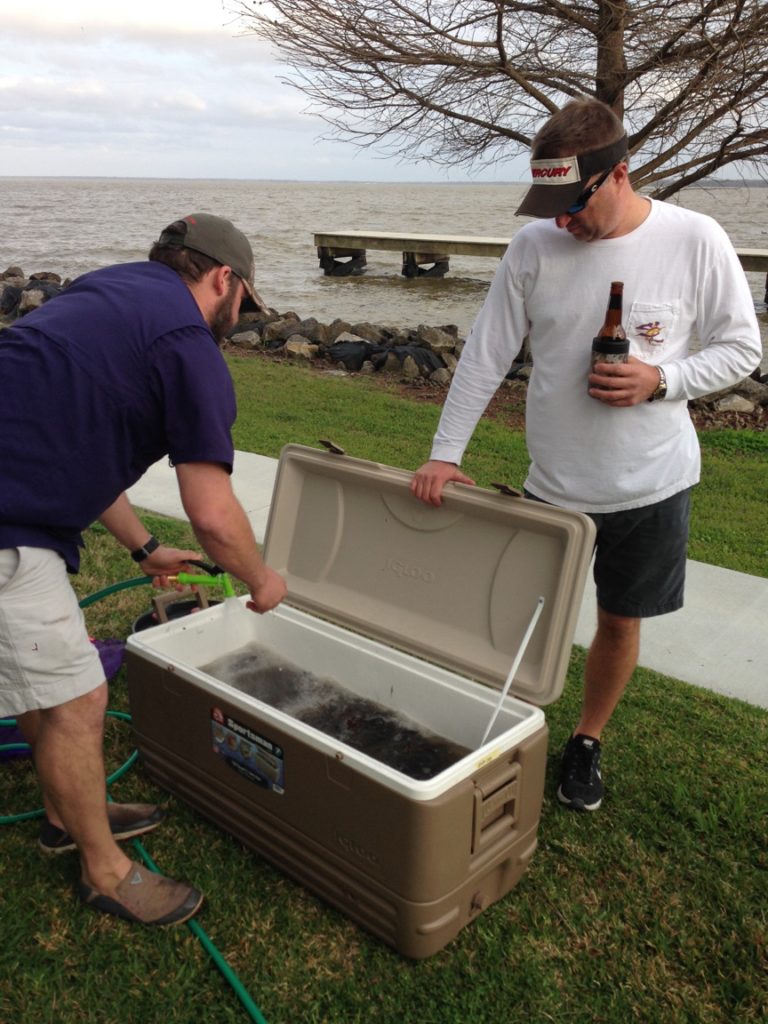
x: 222, y: 579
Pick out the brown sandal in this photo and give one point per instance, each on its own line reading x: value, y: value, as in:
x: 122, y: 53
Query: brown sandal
x: 125, y: 821
x: 146, y: 898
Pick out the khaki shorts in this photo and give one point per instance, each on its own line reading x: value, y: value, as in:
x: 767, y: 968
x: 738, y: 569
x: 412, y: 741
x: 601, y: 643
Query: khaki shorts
x: 46, y: 658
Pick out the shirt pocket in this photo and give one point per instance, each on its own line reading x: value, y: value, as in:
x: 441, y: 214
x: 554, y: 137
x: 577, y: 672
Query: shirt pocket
x: 652, y: 329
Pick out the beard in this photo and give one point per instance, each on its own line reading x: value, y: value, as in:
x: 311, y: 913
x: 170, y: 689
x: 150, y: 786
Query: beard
x: 223, y: 319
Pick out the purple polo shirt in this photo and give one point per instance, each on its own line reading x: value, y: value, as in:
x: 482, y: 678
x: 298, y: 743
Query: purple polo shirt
x: 96, y: 385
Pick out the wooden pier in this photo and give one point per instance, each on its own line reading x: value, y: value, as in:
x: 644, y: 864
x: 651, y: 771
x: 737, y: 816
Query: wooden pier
x: 342, y: 253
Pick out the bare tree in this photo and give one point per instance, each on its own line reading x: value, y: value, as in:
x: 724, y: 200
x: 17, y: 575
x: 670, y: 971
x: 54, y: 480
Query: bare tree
x: 468, y: 81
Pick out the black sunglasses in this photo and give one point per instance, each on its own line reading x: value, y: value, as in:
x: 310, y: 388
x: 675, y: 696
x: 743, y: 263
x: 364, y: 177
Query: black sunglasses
x: 581, y: 200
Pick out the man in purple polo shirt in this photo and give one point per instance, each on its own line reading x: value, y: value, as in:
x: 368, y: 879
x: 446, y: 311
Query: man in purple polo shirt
x: 120, y: 369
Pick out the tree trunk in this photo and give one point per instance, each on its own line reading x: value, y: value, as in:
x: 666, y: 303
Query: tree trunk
x: 610, y: 75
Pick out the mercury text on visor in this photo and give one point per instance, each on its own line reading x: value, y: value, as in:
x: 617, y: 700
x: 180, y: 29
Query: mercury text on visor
x: 550, y: 172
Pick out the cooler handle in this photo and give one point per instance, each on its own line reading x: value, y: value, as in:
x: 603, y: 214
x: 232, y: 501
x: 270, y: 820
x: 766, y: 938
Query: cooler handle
x: 495, y: 802
x: 161, y: 602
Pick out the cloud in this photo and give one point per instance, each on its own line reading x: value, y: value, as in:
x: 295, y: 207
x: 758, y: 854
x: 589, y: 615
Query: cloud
x: 135, y: 82
x: 163, y: 89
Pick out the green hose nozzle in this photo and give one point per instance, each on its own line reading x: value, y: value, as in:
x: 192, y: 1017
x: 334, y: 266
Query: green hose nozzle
x: 222, y: 579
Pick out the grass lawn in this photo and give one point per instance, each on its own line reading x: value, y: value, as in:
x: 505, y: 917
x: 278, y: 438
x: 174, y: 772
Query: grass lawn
x: 651, y: 911
x: 280, y: 403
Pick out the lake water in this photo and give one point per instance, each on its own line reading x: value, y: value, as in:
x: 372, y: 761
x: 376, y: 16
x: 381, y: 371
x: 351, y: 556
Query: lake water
x: 71, y: 225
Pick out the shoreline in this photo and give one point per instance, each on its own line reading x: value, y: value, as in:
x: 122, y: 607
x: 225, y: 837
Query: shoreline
x: 507, y: 405
x: 421, y: 359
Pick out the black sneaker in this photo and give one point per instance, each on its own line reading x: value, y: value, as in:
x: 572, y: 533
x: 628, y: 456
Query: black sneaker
x: 581, y: 786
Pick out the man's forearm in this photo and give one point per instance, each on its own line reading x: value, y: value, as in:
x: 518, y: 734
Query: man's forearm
x: 231, y: 544
x: 467, y: 399
x: 124, y: 525
x: 220, y: 522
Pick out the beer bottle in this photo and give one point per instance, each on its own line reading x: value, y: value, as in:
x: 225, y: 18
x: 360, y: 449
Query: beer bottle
x: 610, y: 344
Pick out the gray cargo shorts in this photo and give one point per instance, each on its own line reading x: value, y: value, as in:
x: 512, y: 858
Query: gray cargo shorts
x: 640, y: 557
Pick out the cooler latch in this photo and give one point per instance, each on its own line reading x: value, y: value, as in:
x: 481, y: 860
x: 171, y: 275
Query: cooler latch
x: 511, y: 492
x: 332, y: 447
x: 495, y: 801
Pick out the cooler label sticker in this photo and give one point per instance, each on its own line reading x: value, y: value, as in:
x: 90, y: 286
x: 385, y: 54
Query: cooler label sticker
x: 251, y: 755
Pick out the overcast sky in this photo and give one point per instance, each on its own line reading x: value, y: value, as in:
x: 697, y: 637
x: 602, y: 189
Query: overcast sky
x: 168, y: 89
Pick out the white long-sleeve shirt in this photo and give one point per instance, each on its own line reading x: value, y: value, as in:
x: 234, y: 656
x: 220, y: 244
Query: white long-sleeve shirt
x: 683, y: 283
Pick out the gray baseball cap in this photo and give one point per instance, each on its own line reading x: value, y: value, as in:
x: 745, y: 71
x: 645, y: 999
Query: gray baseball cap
x: 558, y: 182
x: 220, y: 240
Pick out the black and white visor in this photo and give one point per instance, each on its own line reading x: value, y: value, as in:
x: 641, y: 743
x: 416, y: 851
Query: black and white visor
x: 557, y: 183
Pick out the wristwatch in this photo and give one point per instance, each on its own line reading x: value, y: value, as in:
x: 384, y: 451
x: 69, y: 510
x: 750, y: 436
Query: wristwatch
x: 661, y: 387
x: 141, y: 553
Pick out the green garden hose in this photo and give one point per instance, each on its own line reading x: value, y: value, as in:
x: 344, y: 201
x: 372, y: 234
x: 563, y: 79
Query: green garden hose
x: 200, y: 934
x: 238, y: 987
x: 137, y: 581
x: 12, y: 819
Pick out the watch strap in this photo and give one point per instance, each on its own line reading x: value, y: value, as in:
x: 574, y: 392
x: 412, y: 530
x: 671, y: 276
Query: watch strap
x: 144, y: 552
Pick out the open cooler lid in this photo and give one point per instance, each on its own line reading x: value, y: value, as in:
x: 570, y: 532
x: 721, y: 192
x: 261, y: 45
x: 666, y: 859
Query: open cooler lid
x: 457, y: 585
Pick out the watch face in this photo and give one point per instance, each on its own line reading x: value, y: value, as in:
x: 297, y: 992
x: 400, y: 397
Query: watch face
x: 661, y: 387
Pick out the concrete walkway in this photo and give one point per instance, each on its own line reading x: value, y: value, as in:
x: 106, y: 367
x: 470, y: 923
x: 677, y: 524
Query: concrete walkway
x: 718, y: 641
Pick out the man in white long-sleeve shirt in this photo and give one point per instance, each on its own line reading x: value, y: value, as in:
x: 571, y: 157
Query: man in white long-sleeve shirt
x: 616, y: 443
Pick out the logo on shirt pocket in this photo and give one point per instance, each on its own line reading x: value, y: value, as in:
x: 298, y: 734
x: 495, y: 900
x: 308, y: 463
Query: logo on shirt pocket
x: 652, y: 328
x: 652, y: 332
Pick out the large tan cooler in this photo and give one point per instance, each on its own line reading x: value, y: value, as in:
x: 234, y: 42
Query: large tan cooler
x: 421, y: 609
